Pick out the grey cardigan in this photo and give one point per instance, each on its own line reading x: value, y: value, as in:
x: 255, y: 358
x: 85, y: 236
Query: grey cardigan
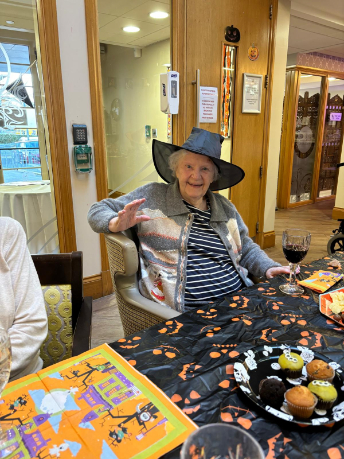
x: 164, y: 239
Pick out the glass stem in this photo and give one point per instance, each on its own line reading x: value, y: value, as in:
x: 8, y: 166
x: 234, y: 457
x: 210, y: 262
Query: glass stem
x: 292, y: 275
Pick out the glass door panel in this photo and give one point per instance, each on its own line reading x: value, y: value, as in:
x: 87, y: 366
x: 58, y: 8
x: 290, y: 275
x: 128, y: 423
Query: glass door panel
x: 332, y: 139
x: 305, y: 138
x: 26, y: 191
x: 131, y: 63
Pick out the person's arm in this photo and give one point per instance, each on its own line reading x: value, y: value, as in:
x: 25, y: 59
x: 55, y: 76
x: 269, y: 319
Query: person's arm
x: 29, y: 328
x: 254, y: 259
x: 114, y: 215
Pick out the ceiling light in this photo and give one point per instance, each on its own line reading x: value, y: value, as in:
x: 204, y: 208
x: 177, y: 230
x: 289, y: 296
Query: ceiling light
x: 306, y: 76
x: 158, y: 15
x: 131, y: 29
x: 332, y: 78
x: 9, y: 22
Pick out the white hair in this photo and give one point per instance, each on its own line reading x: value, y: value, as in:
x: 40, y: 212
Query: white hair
x: 174, y: 159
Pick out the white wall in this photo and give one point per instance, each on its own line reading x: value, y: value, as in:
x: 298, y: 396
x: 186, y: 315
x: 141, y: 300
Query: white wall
x: 76, y: 88
x: 282, y: 34
x: 134, y: 83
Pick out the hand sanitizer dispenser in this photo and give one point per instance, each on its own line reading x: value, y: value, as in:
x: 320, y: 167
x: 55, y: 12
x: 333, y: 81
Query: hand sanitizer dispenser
x: 169, y: 92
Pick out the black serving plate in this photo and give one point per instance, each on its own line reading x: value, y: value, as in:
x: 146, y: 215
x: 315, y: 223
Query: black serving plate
x: 262, y: 362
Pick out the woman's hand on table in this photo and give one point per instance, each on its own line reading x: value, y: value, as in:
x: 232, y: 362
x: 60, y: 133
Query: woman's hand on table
x: 128, y: 217
x: 278, y: 270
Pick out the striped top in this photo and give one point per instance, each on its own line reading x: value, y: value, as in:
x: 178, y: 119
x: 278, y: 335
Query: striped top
x: 210, y: 271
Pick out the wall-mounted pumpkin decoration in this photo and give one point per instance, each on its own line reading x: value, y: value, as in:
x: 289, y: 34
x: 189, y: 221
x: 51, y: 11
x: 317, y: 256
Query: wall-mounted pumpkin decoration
x: 253, y: 52
x: 232, y: 34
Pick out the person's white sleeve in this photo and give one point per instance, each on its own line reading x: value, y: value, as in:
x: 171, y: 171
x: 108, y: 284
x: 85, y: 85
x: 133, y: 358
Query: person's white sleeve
x: 29, y: 328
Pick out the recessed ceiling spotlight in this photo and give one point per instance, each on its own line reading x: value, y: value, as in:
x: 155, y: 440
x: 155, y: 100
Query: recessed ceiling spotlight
x: 158, y: 15
x: 131, y: 29
x: 9, y: 22
x: 332, y: 78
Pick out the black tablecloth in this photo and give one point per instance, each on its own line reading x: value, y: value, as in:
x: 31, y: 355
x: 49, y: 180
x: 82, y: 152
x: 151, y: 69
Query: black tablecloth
x: 191, y: 358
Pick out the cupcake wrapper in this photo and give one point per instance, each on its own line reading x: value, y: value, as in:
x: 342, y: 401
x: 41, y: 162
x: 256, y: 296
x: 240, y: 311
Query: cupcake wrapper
x: 293, y: 374
x: 314, y: 378
x: 325, y: 405
x: 302, y: 411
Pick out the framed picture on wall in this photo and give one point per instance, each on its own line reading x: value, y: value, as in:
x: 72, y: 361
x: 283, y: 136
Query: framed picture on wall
x: 252, y: 93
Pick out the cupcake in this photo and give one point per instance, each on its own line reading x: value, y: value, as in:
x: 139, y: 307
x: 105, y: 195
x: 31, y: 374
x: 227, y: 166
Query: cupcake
x: 318, y: 369
x: 326, y: 393
x: 291, y: 364
x: 272, y: 392
x: 301, y: 402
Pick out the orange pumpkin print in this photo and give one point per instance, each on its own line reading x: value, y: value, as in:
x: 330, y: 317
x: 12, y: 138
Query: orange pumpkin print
x: 209, y: 314
x: 130, y: 343
x: 189, y: 371
x: 310, y: 338
x: 267, y: 335
x: 171, y: 327
x: 168, y: 351
x: 287, y: 319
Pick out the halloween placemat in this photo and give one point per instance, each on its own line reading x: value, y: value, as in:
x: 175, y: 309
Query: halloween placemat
x: 321, y: 281
x: 95, y: 405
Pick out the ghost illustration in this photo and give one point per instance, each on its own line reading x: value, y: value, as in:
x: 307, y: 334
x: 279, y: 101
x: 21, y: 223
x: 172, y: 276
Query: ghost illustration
x: 55, y: 402
x: 55, y: 450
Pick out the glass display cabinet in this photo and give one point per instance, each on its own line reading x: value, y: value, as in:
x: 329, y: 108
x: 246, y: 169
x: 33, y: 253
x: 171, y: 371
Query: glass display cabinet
x: 312, y: 136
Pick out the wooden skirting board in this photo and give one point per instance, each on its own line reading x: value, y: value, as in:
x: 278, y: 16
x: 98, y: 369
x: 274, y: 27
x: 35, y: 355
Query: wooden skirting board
x: 98, y: 285
x: 337, y: 213
x: 268, y: 239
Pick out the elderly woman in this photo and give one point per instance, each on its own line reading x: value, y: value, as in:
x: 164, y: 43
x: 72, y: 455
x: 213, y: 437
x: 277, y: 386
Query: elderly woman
x: 194, y: 246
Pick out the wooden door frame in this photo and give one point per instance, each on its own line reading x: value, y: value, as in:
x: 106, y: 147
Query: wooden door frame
x: 288, y: 132
x: 56, y: 116
x: 178, y: 45
x: 260, y: 235
x: 98, y: 127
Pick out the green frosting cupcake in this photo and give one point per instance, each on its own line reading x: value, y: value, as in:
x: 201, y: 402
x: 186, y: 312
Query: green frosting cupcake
x: 326, y: 393
x: 291, y: 363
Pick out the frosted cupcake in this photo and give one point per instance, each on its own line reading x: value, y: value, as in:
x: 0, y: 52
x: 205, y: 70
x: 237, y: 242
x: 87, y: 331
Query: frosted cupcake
x: 326, y: 393
x: 301, y: 402
x: 319, y: 370
x: 291, y: 364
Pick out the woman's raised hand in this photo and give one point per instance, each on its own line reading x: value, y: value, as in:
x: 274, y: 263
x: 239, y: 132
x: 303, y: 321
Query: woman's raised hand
x: 128, y: 217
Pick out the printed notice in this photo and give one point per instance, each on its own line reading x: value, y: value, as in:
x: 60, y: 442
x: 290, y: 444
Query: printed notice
x: 208, y: 104
x: 252, y: 93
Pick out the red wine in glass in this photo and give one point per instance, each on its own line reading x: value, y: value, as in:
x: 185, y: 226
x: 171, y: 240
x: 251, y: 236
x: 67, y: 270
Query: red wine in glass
x: 295, y: 243
x: 295, y: 253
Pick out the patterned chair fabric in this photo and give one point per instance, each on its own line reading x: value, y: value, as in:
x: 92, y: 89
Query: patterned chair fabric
x: 69, y: 312
x: 59, y: 341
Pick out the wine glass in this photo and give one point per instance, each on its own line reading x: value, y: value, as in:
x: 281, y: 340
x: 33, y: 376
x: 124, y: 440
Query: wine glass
x: 295, y: 243
x: 5, y: 369
x: 221, y: 441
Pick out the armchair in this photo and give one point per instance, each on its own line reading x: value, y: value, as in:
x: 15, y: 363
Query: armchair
x: 136, y: 311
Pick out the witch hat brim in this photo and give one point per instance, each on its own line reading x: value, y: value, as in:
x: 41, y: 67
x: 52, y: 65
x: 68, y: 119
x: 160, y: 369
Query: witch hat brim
x: 230, y: 174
